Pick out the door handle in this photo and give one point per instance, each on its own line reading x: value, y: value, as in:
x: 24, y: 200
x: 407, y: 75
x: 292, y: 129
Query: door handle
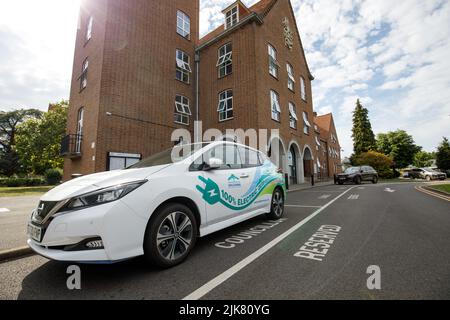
x: 244, y: 176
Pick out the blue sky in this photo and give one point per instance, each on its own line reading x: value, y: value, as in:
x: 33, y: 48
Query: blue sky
x: 391, y: 55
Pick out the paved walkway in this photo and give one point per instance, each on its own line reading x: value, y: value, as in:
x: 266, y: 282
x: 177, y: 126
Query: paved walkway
x: 306, y: 186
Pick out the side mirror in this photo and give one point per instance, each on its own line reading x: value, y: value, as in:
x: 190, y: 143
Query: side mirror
x: 213, y: 164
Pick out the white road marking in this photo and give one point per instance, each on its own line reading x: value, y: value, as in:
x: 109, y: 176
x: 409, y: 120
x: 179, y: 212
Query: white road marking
x: 296, y: 206
x: 315, y: 191
x: 221, y: 278
x: 353, y: 197
x: 361, y: 188
x: 4, y: 210
x: 317, y: 247
x: 325, y: 196
x: 389, y: 190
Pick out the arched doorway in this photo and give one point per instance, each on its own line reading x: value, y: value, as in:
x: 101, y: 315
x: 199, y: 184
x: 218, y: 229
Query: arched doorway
x: 277, y: 153
x: 308, y: 163
x: 294, y: 164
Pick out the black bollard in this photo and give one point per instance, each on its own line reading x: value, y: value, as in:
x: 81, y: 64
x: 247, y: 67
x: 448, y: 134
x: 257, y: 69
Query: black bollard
x: 312, y: 180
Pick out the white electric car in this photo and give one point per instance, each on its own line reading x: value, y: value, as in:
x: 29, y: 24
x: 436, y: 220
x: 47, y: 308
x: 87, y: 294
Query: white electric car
x: 158, y: 207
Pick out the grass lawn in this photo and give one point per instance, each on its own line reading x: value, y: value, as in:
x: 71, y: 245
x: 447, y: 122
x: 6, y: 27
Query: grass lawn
x: 442, y: 187
x: 23, y: 191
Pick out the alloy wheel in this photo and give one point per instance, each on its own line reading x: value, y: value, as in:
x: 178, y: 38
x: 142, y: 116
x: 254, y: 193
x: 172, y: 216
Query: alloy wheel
x: 278, y: 203
x: 175, y: 235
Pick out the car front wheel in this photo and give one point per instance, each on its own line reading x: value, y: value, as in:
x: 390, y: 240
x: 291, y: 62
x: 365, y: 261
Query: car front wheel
x: 277, y: 205
x: 358, y: 180
x: 170, y: 236
x: 428, y: 178
x: 375, y: 180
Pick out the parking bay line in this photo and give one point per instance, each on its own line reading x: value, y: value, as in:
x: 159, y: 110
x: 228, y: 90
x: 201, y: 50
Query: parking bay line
x: 224, y: 276
x: 299, y: 206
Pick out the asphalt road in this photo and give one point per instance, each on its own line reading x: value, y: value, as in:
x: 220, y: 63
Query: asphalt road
x: 14, y: 215
x: 395, y: 227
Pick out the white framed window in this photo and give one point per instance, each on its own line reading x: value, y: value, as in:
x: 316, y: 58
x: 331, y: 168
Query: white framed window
x: 183, y: 24
x: 84, y: 74
x: 182, y: 110
x: 80, y: 129
x: 291, y: 77
x: 225, y: 107
x: 225, y: 61
x: 303, y: 88
x: 306, y: 123
x: 120, y: 161
x: 293, y: 118
x: 273, y: 63
x: 231, y: 17
x: 317, y: 143
x: 183, y: 68
x: 89, y: 28
x: 275, y: 105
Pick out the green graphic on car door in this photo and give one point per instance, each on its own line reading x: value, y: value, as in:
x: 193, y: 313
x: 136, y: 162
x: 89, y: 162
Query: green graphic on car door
x: 213, y: 194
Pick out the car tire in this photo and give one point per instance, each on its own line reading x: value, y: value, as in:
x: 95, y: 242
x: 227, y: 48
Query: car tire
x: 428, y: 178
x: 375, y: 180
x: 166, y: 246
x: 276, y: 205
x: 358, y: 180
x: 340, y: 183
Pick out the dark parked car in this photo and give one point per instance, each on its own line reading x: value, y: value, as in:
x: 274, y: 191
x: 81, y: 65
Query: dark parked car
x: 358, y: 175
x: 427, y: 174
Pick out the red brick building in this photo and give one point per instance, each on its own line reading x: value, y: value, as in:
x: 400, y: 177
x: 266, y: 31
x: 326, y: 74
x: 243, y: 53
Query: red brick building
x: 329, y: 150
x: 141, y: 71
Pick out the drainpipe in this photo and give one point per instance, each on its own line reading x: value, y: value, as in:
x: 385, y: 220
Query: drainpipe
x: 197, y: 137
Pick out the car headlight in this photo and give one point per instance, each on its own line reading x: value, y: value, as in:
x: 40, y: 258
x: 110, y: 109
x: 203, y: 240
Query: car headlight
x: 101, y: 196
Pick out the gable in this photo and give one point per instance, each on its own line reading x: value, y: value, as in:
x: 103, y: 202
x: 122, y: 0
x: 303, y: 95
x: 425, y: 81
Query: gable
x: 272, y: 6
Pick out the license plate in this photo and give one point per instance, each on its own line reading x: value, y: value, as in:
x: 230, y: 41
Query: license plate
x: 34, y: 232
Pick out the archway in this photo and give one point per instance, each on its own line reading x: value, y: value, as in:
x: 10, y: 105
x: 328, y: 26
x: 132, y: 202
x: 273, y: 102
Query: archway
x: 308, y: 163
x: 277, y: 153
x: 294, y: 164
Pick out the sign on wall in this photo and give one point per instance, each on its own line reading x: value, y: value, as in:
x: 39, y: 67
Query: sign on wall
x: 288, y: 34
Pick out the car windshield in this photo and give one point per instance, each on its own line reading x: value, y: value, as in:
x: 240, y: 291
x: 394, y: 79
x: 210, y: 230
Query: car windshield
x: 169, y: 156
x: 352, y: 170
x: 429, y: 170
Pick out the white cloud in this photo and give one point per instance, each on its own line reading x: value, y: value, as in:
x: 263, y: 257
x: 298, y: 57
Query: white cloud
x: 36, y: 50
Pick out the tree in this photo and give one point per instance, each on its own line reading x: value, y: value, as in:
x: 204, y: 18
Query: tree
x: 9, y: 121
x: 380, y: 162
x: 443, y: 155
x: 423, y: 159
x: 39, y: 140
x: 362, y: 134
x: 398, y: 145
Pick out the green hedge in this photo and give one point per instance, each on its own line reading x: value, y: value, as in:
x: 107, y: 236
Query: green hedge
x: 22, y: 182
x: 53, y: 176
